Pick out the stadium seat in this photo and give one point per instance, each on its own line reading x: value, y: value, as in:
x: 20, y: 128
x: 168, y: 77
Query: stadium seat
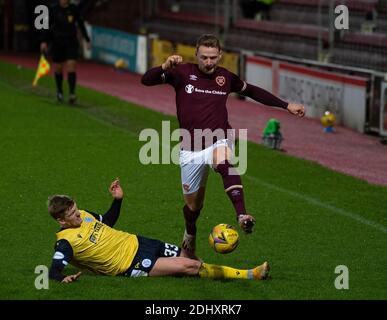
x: 191, y: 18
x: 292, y: 30
x: 300, y: 11
x: 199, y: 7
x: 373, y: 40
x: 360, y: 5
x: 288, y: 29
x: 362, y: 50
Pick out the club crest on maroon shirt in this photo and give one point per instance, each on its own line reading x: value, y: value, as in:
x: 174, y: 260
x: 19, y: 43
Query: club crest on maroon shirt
x: 220, y: 80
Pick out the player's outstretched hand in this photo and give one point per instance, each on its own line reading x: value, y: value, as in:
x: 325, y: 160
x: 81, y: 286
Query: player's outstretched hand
x: 171, y: 62
x: 296, y: 109
x: 116, y: 190
x: 72, y: 278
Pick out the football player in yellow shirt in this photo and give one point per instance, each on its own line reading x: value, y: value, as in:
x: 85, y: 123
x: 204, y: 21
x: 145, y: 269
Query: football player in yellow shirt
x: 89, y: 241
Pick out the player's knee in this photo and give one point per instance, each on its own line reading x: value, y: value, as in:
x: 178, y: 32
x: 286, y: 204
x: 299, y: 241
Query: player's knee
x: 195, y: 206
x: 220, y: 155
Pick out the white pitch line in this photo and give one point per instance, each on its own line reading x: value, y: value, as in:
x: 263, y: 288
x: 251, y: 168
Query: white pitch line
x: 321, y: 204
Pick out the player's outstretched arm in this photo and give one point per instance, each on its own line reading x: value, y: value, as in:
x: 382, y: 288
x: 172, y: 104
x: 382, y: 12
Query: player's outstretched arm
x: 156, y: 75
x: 265, y: 97
x: 111, y: 216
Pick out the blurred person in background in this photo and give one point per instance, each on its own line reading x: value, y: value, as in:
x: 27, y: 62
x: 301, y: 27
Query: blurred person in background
x: 61, y: 41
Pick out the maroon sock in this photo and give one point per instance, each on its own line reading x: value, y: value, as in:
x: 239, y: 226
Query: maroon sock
x: 233, y: 186
x: 190, y: 219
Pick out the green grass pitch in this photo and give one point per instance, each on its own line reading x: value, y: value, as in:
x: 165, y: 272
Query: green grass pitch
x: 309, y: 219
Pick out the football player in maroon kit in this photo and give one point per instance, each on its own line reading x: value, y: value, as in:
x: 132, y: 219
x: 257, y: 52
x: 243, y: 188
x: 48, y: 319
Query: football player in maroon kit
x: 201, y: 94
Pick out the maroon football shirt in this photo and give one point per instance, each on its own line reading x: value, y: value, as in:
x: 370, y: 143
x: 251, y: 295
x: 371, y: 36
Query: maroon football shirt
x: 201, y: 99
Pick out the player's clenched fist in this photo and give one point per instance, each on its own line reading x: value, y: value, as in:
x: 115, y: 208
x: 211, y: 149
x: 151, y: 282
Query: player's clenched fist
x: 296, y: 109
x: 116, y: 190
x: 171, y: 62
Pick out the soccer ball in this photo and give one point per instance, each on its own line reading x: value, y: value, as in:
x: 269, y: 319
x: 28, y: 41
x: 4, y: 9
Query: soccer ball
x: 223, y: 238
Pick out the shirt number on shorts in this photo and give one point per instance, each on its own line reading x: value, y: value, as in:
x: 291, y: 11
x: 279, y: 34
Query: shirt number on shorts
x: 170, y: 250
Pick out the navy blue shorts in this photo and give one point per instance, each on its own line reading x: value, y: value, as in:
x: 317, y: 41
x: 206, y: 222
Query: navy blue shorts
x: 149, y: 250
